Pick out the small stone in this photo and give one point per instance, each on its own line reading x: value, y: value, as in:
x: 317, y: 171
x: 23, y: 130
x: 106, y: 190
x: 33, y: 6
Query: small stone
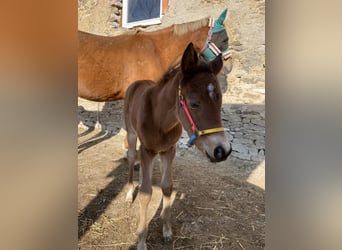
x: 260, y: 144
x: 241, y: 148
x: 243, y: 141
x: 258, y: 122
x: 253, y: 152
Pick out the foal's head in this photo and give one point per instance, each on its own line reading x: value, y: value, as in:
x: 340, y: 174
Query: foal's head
x: 201, y: 98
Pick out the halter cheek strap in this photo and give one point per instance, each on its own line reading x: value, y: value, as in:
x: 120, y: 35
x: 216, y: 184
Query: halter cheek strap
x: 195, y: 131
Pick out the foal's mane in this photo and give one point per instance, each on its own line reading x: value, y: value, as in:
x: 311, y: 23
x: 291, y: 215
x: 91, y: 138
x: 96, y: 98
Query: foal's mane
x: 180, y: 29
x: 202, y: 66
x: 168, y: 75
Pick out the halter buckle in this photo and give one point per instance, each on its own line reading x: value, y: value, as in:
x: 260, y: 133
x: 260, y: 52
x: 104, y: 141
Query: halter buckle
x: 192, y: 140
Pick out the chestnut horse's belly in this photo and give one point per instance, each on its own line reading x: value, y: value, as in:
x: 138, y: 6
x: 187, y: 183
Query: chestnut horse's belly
x: 110, y: 83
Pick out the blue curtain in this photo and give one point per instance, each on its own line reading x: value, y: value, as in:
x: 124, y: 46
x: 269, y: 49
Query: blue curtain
x: 143, y: 9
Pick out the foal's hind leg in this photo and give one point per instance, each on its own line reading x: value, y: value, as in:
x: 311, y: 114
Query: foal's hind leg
x: 166, y: 184
x: 131, y: 156
x: 145, y: 193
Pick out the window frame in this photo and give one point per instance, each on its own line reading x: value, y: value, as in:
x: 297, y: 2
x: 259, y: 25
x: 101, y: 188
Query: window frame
x: 145, y: 22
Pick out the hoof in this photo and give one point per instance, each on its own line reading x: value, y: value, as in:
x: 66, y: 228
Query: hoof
x: 167, y: 234
x: 142, y: 246
x: 168, y: 239
x: 136, y: 167
x: 98, y: 125
x: 129, y: 196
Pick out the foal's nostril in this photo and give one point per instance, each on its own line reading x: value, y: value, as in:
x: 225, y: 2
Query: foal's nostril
x: 219, y: 153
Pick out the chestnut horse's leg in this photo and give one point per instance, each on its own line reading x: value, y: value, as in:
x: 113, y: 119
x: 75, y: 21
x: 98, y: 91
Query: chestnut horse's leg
x: 145, y: 193
x: 166, y: 184
x: 131, y: 156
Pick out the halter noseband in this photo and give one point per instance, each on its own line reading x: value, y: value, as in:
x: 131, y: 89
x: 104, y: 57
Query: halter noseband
x: 196, y: 132
x: 209, y: 48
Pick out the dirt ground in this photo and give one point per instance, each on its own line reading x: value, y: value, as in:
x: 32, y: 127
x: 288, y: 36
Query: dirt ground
x: 215, y: 206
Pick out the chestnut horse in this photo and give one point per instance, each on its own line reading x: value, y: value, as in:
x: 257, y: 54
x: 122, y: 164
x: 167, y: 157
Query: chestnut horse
x: 107, y: 65
x: 188, y: 96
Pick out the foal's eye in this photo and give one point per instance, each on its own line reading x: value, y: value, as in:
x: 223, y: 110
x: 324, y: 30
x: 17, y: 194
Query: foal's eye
x: 194, y: 105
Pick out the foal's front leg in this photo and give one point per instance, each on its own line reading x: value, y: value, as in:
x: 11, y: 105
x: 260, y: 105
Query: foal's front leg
x: 166, y: 184
x: 145, y: 193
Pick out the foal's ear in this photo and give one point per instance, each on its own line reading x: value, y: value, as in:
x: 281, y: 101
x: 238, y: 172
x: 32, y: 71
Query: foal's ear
x: 216, y: 64
x: 189, y: 59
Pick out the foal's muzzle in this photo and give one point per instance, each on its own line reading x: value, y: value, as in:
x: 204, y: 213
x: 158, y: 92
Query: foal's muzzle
x: 220, y: 154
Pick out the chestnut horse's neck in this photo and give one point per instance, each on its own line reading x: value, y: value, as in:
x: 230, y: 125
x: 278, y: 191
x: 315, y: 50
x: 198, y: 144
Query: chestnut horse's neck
x: 170, y: 45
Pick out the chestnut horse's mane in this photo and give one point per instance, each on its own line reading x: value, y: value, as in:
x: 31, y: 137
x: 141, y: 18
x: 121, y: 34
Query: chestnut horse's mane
x: 180, y: 29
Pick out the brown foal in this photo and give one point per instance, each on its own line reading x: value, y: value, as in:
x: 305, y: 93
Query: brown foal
x: 155, y: 112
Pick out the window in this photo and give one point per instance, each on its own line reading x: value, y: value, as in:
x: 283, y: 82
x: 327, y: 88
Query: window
x: 141, y: 12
